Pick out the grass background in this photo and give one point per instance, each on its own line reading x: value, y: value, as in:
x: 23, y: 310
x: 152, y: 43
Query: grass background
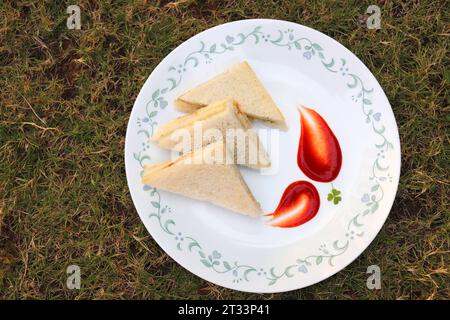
x: 65, y: 98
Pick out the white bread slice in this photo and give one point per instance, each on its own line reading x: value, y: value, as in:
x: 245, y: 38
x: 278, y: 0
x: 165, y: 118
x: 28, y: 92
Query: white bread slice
x: 217, y: 118
x: 241, y: 83
x: 204, y: 175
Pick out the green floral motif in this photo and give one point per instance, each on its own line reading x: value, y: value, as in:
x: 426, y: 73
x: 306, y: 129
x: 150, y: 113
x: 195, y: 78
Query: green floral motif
x: 302, y: 265
x: 206, y: 52
x: 310, y: 49
x: 370, y: 199
x: 158, y: 211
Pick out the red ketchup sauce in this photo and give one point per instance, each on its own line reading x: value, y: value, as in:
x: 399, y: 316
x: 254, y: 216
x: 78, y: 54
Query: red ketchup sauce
x: 299, y: 204
x: 319, y: 154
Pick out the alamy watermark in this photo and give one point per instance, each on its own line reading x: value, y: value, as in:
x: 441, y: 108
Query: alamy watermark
x: 374, y: 20
x: 374, y: 280
x: 73, y: 277
x: 74, y: 19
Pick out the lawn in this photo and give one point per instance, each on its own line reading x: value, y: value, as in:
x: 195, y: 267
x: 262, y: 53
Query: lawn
x: 65, y: 99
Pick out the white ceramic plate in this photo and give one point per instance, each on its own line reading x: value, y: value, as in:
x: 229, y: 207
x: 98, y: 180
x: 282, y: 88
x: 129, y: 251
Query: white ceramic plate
x: 296, y: 64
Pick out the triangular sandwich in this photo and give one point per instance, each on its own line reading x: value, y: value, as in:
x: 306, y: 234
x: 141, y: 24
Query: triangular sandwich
x: 204, y: 175
x: 219, y: 121
x: 241, y: 83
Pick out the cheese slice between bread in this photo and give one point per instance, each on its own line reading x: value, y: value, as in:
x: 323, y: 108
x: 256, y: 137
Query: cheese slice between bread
x: 219, y: 121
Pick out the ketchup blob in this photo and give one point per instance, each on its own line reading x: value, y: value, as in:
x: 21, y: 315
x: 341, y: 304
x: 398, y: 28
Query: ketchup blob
x: 319, y: 154
x: 299, y: 203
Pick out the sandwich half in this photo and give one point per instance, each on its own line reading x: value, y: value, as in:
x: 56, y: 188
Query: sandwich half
x: 204, y: 175
x: 240, y: 83
x: 219, y: 121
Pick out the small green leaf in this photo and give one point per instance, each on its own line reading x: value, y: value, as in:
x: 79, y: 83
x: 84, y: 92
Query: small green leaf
x: 298, y: 45
x: 226, y: 265
x: 374, y: 207
x: 155, y: 204
x: 194, y: 59
x: 272, y: 272
x: 330, y: 197
x: 167, y: 224
x: 212, y: 48
x: 354, y: 84
x: 193, y: 244
x: 317, y: 47
x: 154, y: 215
x: 335, y: 192
x: 153, y: 114
x: 329, y: 65
x: 247, y: 272
x: 375, y: 187
x: 318, y: 260
x: 173, y: 82
x: 202, y: 254
x: 206, y: 263
x: 337, y: 200
x: 367, y: 101
x: 155, y: 94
